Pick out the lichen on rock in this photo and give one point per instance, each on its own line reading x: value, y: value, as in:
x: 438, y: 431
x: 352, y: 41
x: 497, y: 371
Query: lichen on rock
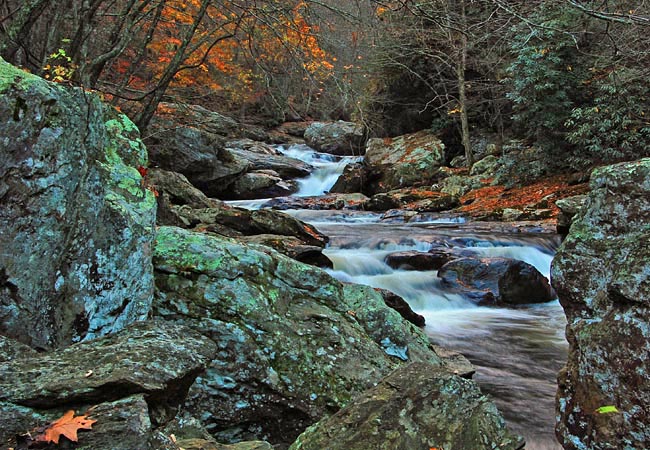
x: 602, y: 277
x: 77, y: 221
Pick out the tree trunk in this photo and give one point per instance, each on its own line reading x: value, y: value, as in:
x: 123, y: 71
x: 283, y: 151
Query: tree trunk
x: 20, y: 27
x: 461, y: 67
x: 151, y: 104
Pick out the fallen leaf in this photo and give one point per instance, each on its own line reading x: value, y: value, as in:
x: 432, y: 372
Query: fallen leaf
x: 607, y: 409
x: 67, y: 426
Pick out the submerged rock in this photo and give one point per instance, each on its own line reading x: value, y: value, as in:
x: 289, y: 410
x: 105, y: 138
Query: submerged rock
x: 493, y: 281
x: 416, y: 407
x: 77, y: 221
x: 294, y: 343
x: 601, y: 274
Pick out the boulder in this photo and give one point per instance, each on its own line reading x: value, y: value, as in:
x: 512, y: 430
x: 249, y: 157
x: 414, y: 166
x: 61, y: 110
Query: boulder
x: 486, y: 167
x: 601, y: 276
x: 198, y: 154
x: 403, y: 161
x: 262, y: 156
x: 260, y: 184
x: 414, y: 260
x: 294, y: 343
x: 337, y: 138
x: 400, y: 305
x: 351, y: 180
x: 496, y: 281
x: 133, y: 380
x: 295, y: 129
x: 77, y: 220
x: 415, y: 407
x: 569, y: 207
x: 459, y: 185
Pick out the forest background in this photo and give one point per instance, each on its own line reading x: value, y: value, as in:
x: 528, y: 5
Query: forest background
x: 565, y: 79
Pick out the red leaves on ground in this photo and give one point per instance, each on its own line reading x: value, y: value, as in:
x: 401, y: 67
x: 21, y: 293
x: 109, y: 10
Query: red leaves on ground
x: 485, y: 200
x: 67, y: 425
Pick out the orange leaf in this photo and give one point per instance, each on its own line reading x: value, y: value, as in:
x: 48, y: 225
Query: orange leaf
x: 67, y: 425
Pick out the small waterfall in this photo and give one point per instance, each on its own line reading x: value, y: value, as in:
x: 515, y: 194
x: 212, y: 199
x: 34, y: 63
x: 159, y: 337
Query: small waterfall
x: 328, y: 169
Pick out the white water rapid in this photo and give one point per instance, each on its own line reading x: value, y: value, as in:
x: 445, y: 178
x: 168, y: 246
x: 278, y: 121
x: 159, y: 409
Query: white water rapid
x: 328, y: 169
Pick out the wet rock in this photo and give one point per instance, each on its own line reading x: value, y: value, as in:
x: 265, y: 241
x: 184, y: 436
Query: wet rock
x: 175, y: 189
x: 291, y: 247
x: 197, y: 154
x: 494, y: 281
x: 77, y: 221
x: 397, y: 216
x: 414, y: 260
x: 601, y: 276
x: 336, y: 138
x: 294, y: 343
x: 324, y: 202
x: 351, y: 180
x: 403, y: 161
x: 400, y: 305
x: 420, y: 200
x: 415, y: 407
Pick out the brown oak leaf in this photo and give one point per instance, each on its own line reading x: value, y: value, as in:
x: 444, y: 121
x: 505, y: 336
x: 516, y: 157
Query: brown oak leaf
x: 67, y: 425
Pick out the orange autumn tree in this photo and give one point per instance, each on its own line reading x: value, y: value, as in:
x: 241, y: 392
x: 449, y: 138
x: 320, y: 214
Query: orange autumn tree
x: 222, y: 50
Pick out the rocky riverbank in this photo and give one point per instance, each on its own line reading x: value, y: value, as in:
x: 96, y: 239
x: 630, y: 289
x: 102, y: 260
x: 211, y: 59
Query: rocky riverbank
x: 172, y: 337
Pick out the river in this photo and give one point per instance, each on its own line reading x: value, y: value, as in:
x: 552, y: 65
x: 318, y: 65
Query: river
x: 517, y: 352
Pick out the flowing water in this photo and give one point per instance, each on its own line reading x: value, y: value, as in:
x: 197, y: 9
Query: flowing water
x: 328, y: 168
x: 517, y: 352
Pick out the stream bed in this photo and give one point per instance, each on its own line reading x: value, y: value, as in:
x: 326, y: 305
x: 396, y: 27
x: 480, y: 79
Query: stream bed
x: 517, y: 351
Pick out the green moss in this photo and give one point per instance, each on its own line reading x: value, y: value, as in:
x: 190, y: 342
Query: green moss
x: 13, y: 76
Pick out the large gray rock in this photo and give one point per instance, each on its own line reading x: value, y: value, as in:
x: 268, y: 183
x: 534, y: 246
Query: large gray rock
x: 393, y: 163
x: 262, y: 156
x: 196, y: 153
x: 76, y: 220
x: 260, y: 184
x: 294, y: 343
x: 155, y: 361
x: 601, y: 274
x: 337, y: 138
x: 415, y: 407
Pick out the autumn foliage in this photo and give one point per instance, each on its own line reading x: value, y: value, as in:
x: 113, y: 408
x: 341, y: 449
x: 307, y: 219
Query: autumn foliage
x: 230, y: 53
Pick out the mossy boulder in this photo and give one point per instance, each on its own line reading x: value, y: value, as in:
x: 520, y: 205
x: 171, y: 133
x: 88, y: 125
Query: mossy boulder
x: 294, y: 343
x: 602, y: 277
x: 415, y: 407
x: 408, y: 160
x: 77, y: 220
